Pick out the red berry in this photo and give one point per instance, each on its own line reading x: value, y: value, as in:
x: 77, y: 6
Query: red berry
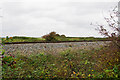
x: 14, y: 66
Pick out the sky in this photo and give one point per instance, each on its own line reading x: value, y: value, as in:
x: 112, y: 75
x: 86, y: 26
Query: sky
x: 35, y: 18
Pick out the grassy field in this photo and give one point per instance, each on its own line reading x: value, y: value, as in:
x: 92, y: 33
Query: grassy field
x: 32, y: 39
x: 71, y: 63
x: 22, y: 39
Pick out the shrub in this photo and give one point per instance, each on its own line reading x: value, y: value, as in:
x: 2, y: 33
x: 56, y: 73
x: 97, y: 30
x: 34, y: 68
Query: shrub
x: 52, y: 36
x: 8, y: 60
x: 113, y: 24
x: 63, y: 36
x: 7, y: 37
x: 109, y: 56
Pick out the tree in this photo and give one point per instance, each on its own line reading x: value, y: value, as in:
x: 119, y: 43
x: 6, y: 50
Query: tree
x: 7, y: 37
x: 63, y: 36
x: 113, y: 23
x: 50, y: 37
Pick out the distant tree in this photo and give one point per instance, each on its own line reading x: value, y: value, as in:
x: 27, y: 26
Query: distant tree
x: 58, y: 35
x: 50, y: 37
x: 7, y: 37
x: 53, y: 33
x: 63, y: 36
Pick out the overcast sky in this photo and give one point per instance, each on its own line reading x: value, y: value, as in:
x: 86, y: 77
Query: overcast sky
x: 36, y: 18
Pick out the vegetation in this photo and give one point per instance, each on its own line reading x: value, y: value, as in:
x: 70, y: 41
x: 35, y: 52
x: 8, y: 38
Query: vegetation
x: 114, y: 24
x: 71, y: 63
x: 103, y: 62
x: 49, y: 38
x: 21, y: 39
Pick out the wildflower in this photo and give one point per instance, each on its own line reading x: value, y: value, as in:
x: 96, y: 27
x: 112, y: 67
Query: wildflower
x: 73, y: 72
x: 92, y: 70
x: 14, y: 59
x: 65, y: 74
x: 83, y: 74
x: 89, y: 75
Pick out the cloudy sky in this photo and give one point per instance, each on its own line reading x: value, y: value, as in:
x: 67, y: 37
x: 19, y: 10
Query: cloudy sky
x: 36, y: 18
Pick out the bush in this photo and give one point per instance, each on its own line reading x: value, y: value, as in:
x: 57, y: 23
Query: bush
x: 112, y: 23
x: 63, y: 36
x: 109, y: 56
x: 8, y: 60
x: 52, y: 36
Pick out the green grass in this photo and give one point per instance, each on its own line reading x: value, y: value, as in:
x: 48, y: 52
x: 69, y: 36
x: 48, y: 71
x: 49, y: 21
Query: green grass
x: 22, y: 39
x: 32, y: 39
x: 65, y: 64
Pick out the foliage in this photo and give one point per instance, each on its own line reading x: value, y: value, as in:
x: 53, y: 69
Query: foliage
x: 8, y: 60
x: 112, y: 23
x: 21, y: 39
x: 103, y: 62
x: 51, y: 36
x: 110, y: 58
x: 57, y: 38
x: 69, y: 63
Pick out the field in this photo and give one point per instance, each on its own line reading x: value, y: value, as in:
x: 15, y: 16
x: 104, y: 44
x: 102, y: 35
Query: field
x: 32, y: 39
x: 21, y: 39
x: 101, y: 61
